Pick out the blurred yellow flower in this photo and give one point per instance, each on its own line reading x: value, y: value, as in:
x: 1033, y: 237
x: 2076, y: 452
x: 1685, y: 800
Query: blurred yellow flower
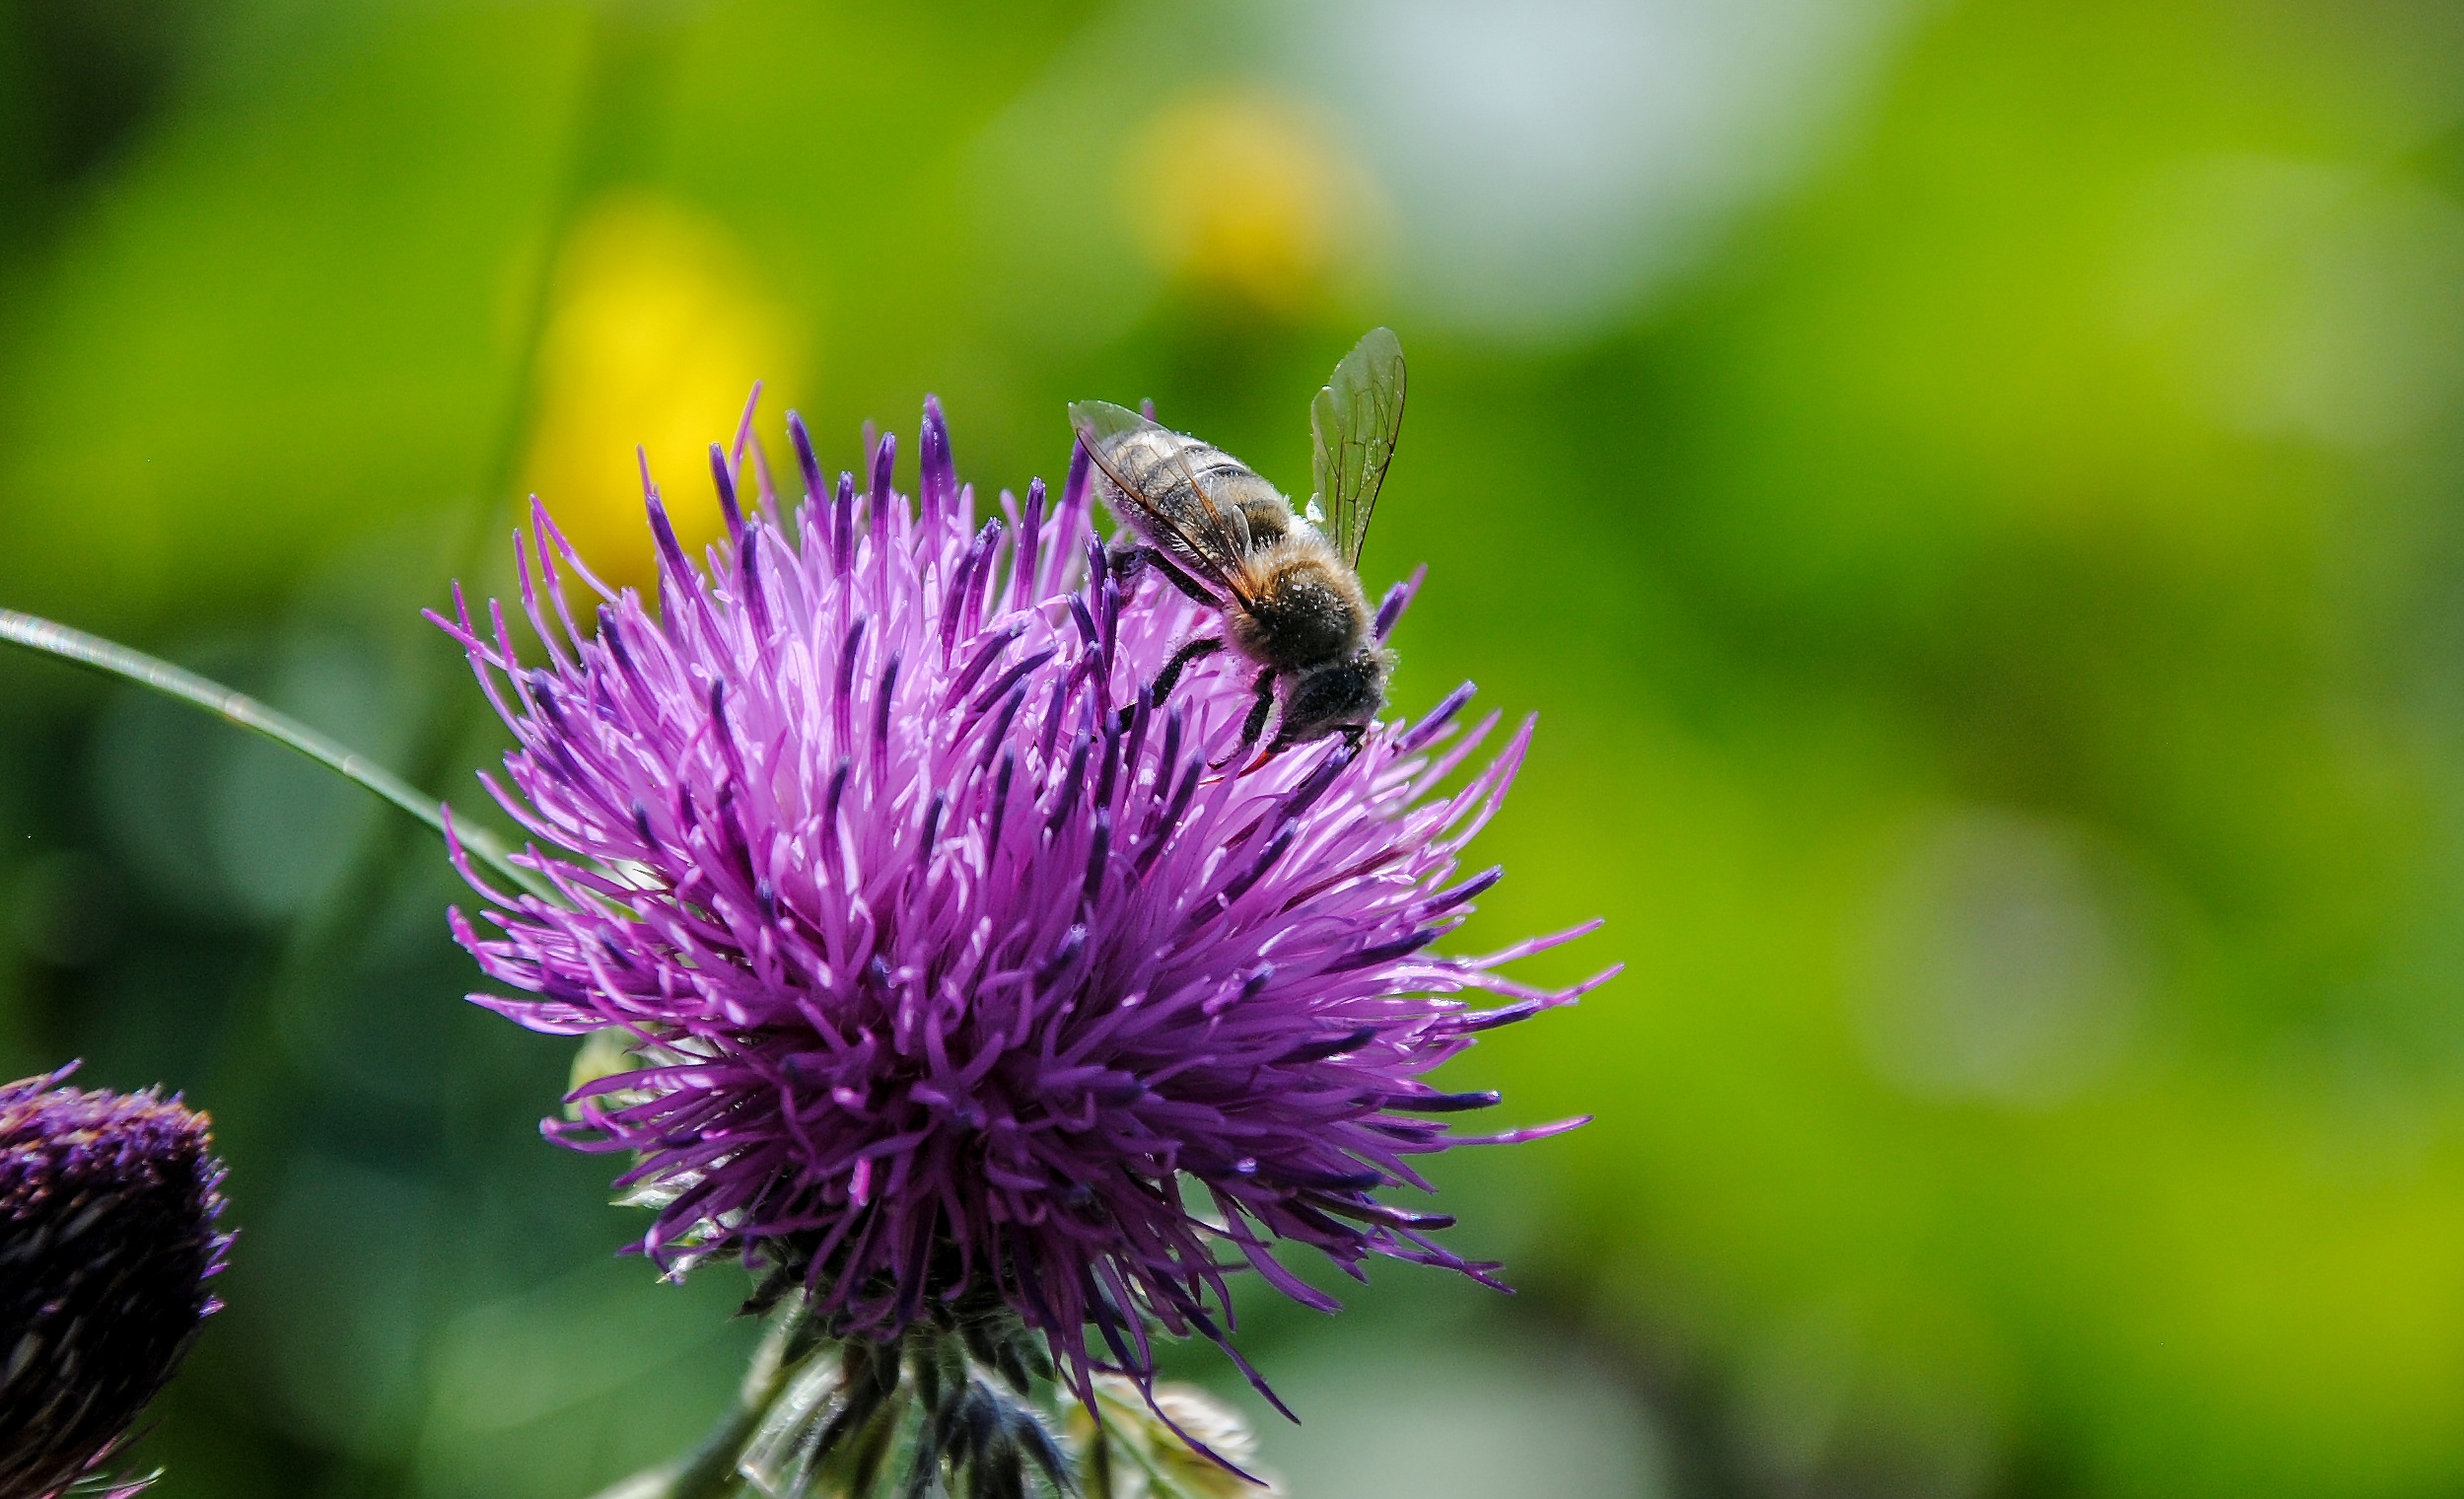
x: 1248, y: 193
x: 655, y: 332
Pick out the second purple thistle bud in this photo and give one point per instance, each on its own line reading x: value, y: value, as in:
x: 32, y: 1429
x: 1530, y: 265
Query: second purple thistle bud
x: 107, y: 1254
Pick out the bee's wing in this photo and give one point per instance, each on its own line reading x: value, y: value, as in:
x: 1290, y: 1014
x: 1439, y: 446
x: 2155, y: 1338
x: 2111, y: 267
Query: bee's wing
x: 1215, y: 545
x: 1352, y: 423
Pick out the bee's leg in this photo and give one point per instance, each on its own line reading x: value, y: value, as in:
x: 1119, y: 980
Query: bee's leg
x: 1353, y: 736
x: 1170, y: 677
x: 1255, y: 724
x: 1150, y: 559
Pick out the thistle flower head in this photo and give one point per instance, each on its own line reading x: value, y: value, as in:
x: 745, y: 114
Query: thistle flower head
x: 107, y: 1250
x: 949, y: 964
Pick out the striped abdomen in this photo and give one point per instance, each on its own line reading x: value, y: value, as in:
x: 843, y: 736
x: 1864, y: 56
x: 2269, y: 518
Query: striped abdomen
x: 1160, y: 464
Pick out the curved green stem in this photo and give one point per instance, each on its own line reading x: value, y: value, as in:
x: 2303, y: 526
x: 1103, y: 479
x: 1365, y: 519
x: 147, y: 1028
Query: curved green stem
x: 94, y: 652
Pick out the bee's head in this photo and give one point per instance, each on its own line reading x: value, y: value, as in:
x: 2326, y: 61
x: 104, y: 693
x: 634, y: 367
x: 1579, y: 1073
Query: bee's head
x: 1343, y: 694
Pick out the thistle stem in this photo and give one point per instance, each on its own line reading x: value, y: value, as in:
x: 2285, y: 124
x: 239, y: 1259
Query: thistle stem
x: 94, y: 652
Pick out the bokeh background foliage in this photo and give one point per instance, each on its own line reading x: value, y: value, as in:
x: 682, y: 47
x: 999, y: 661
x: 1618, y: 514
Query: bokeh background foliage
x: 1971, y: 488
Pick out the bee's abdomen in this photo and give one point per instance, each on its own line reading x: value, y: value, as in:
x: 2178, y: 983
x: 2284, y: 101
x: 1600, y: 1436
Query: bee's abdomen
x: 1161, y: 465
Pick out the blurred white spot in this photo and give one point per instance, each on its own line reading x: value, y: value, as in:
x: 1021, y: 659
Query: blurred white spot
x: 1461, y: 1421
x: 2000, y: 959
x: 1792, y: 1391
x: 354, y: 1252
x: 285, y: 829
x: 2289, y: 298
x: 1822, y: 1409
x: 221, y: 823
x: 509, y: 1363
x: 567, y: 1386
x: 1550, y: 159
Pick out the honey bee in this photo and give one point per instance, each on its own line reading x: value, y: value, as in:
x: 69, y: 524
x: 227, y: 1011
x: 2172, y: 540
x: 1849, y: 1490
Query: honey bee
x: 1287, y: 584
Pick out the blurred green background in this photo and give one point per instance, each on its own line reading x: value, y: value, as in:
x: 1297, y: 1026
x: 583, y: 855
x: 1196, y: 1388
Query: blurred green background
x: 1974, y: 490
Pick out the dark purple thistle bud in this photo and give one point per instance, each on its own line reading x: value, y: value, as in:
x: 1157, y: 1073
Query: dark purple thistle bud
x: 958, y: 991
x: 108, y: 1251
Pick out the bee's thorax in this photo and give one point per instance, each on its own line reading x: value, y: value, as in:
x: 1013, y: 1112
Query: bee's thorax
x: 1307, y: 607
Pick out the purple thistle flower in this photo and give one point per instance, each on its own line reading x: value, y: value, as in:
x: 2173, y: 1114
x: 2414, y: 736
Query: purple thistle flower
x: 108, y: 1205
x: 951, y: 966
